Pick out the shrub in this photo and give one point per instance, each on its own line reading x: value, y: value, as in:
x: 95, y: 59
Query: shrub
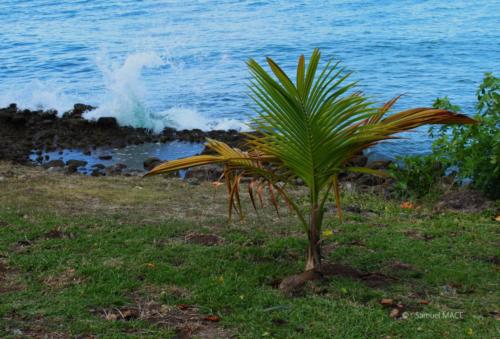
x: 473, y: 150
x: 417, y: 176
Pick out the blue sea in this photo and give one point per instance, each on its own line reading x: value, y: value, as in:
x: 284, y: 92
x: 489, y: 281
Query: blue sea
x: 181, y: 63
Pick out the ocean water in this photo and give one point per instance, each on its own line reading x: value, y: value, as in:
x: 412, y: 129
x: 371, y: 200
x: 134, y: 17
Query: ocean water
x: 180, y: 63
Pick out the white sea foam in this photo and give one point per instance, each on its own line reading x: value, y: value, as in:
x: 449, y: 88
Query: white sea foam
x: 186, y: 118
x: 126, y: 91
x: 124, y: 97
x: 38, y: 95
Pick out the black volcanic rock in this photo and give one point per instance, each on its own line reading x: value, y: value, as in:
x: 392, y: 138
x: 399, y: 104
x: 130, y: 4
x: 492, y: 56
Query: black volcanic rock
x: 77, y: 112
x: 25, y: 131
x: 107, y: 122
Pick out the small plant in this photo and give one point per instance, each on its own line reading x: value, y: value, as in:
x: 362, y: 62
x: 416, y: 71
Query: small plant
x: 417, y: 176
x: 474, y: 150
x: 309, y: 130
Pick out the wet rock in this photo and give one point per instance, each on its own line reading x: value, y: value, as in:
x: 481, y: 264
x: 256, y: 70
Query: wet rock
x: 7, y: 113
x: 19, y: 119
x: 207, y: 172
x: 22, y: 131
x: 151, y: 163
x: 96, y: 173
x: 116, y: 169
x: 105, y: 157
x: 358, y: 161
x: 107, y: 122
x: 76, y: 163
x: 98, y: 166
x: 168, y: 134
x: 77, y: 112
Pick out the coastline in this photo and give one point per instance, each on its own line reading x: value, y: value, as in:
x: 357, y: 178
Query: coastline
x: 23, y: 132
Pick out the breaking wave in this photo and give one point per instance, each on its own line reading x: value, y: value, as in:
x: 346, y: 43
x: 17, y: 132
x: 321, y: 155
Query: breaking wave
x: 124, y: 97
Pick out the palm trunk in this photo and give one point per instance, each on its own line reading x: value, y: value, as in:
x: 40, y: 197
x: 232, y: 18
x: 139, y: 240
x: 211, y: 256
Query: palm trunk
x: 313, y: 261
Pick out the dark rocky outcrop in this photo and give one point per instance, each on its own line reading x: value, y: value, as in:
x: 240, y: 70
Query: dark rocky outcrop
x: 77, y: 112
x: 24, y: 131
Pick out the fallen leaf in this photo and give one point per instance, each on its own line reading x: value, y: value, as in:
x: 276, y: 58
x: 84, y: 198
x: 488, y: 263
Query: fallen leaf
x: 182, y: 306
x: 497, y: 218
x: 151, y: 265
x: 212, y: 318
x: 111, y: 317
x: 407, y: 205
x: 395, y: 313
x: 387, y: 302
x: 424, y: 302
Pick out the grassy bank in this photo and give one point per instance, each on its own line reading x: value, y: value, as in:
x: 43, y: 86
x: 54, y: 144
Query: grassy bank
x: 117, y: 256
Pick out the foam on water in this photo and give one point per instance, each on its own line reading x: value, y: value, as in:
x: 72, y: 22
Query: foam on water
x: 126, y: 91
x: 38, y: 95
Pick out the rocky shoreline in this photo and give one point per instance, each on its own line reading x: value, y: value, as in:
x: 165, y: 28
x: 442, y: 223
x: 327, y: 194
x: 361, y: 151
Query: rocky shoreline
x: 25, y: 131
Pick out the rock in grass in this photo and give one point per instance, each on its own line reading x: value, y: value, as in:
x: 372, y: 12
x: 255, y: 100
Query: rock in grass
x: 151, y: 163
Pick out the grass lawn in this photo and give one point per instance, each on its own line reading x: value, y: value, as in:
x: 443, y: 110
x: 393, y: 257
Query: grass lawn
x: 124, y: 256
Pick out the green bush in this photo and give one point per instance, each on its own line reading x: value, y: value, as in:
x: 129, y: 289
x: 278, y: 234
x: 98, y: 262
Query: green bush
x: 417, y: 176
x: 474, y: 150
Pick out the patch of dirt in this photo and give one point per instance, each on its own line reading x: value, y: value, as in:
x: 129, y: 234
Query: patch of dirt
x: 340, y: 270
x: 203, y: 239
x: 416, y: 235
x: 66, y: 278
x: 465, y: 201
x: 293, y: 285
x: 37, y: 326
x: 57, y: 233
x: 9, y: 278
x: 493, y: 260
x: 377, y: 279
x: 186, y: 320
x: 4, y: 223
x: 401, y: 266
